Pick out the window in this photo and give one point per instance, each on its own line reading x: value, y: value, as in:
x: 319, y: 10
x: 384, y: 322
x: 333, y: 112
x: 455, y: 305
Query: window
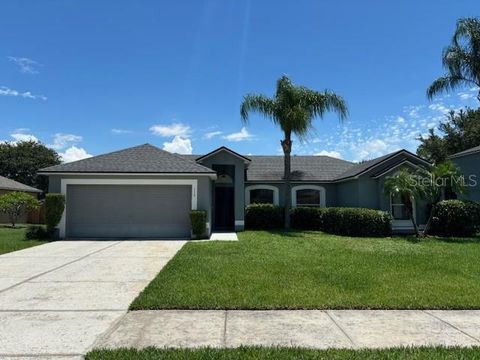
x: 400, y: 207
x: 308, y: 195
x: 261, y: 196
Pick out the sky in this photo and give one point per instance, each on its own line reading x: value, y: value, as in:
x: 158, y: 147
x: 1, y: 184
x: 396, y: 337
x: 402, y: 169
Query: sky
x: 88, y: 77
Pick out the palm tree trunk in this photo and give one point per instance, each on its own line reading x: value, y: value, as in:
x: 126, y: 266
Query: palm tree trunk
x: 287, y: 150
x: 429, y: 221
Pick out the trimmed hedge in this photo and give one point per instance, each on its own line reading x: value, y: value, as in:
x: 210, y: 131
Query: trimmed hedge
x: 307, y: 218
x: 198, y: 220
x: 343, y: 221
x: 456, y: 218
x: 263, y: 217
x: 54, y: 206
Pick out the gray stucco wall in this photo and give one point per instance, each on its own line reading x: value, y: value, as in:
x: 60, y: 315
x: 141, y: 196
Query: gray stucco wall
x: 225, y: 158
x: 470, y: 167
x: 204, y: 187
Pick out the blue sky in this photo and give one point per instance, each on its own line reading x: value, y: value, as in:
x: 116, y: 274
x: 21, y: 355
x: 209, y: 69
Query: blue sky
x: 88, y: 77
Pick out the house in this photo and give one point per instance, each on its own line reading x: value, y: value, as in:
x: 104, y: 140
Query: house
x: 469, y: 163
x: 146, y: 192
x: 8, y: 185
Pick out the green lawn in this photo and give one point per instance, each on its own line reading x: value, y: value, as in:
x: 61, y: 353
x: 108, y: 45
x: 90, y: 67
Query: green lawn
x: 255, y: 353
x: 13, y: 239
x: 312, y: 270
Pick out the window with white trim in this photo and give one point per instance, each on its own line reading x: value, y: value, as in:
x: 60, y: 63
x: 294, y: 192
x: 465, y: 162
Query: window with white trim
x: 261, y: 194
x: 308, y: 195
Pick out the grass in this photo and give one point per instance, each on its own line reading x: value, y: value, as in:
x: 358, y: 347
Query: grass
x: 251, y: 353
x: 13, y: 239
x: 312, y: 270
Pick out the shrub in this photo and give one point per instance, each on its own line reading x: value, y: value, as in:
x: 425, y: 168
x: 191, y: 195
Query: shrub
x: 356, y: 222
x: 263, y: 217
x: 307, y: 218
x: 456, y: 218
x: 16, y: 203
x: 36, y: 232
x: 54, y: 206
x: 198, y: 220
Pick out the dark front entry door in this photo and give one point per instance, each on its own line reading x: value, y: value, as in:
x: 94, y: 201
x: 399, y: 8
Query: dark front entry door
x: 224, y: 204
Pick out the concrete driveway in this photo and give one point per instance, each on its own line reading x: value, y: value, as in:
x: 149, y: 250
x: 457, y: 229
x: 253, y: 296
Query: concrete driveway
x: 57, y: 299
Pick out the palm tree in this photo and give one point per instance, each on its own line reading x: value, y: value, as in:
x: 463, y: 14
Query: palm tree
x: 461, y: 59
x: 405, y: 185
x: 435, y: 181
x: 293, y: 108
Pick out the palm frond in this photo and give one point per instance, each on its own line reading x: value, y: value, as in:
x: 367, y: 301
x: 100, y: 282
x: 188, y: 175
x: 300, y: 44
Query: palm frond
x: 257, y: 103
x: 443, y: 84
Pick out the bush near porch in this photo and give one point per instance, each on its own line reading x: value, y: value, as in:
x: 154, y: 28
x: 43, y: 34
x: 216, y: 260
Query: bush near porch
x: 456, y: 218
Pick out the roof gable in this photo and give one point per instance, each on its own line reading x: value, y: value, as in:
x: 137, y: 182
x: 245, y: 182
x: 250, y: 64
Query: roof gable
x: 224, y: 149
x: 138, y: 159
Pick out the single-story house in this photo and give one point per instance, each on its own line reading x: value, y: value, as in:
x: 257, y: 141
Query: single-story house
x: 146, y: 192
x: 7, y: 185
x: 469, y: 163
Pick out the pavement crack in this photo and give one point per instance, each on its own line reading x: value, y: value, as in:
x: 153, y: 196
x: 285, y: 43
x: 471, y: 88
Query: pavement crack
x: 59, y: 267
x: 340, y: 327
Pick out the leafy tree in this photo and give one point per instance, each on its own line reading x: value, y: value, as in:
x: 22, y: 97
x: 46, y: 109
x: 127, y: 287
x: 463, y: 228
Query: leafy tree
x: 460, y: 131
x: 21, y: 161
x: 434, y: 182
x: 15, y: 203
x: 461, y: 59
x: 405, y: 185
x: 293, y: 109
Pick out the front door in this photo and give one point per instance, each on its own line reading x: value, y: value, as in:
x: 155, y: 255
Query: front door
x: 224, y: 208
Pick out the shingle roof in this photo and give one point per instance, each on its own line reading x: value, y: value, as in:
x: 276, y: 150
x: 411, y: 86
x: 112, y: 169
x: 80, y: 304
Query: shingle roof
x: 364, y: 166
x: 319, y: 168
x: 8, y: 184
x: 139, y: 159
x: 466, y: 152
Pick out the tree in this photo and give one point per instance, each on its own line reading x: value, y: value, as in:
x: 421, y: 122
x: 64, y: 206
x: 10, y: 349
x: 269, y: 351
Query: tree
x: 293, y: 108
x: 460, y: 131
x: 15, y: 203
x: 405, y: 185
x: 461, y: 59
x: 434, y: 182
x: 21, y: 161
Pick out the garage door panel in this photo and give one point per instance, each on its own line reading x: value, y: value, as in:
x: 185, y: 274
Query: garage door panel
x: 128, y: 211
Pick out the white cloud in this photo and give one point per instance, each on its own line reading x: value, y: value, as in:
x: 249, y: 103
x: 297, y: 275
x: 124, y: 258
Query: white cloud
x: 179, y: 145
x: 242, y: 135
x: 466, y: 95
x: 400, y: 120
x: 175, y: 129
x: 60, y: 141
x: 74, y: 153
x: 20, y: 136
x: 212, y: 134
x: 121, y: 131
x: 26, y: 65
x: 5, y: 91
x: 334, y: 154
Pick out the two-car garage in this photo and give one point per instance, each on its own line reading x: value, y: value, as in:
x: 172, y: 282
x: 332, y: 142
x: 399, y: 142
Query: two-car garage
x: 128, y: 211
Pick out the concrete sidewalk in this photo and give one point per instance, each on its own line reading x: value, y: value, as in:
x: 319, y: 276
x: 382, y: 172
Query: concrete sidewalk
x: 304, y: 328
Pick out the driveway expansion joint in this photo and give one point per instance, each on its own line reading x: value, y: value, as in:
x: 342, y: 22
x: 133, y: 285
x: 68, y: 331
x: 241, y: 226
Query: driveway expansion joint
x: 451, y: 325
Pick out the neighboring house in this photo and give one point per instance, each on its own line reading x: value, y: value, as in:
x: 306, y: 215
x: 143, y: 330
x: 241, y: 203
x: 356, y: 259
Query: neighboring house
x: 469, y: 163
x: 146, y: 192
x: 6, y: 186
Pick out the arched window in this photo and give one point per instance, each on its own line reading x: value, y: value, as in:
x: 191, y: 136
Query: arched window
x: 261, y: 194
x: 308, y: 195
